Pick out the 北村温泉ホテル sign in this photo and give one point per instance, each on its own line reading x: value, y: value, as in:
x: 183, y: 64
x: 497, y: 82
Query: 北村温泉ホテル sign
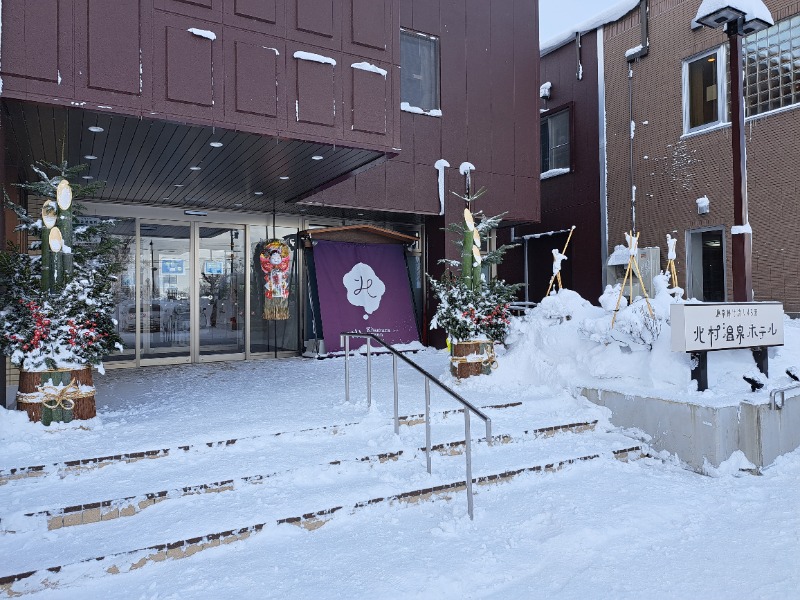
x: 698, y: 327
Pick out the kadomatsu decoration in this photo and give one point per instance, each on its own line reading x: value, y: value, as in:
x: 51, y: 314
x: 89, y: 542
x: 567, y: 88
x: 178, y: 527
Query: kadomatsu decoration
x: 275, y: 258
x: 473, y: 311
x: 56, y: 307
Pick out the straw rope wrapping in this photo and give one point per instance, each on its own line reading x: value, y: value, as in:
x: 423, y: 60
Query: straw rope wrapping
x: 491, y: 358
x: 59, y: 402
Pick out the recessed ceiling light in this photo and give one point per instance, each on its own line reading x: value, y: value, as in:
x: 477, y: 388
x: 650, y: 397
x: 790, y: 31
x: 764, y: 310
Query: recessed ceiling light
x: 88, y: 177
x: 90, y: 157
x: 215, y: 144
x: 258, y: 193
x: 360, y: 214
x: 238, y: 204
x: 317, y: 157
x: 195, y: 168
x: 283, y: 178
x: 165, y: 198
x: 96, y: 129
x: 178, y: 185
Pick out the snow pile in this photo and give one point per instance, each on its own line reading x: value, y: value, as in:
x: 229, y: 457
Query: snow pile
x: 567, y: 342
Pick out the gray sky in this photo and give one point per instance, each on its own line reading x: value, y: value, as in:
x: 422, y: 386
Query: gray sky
x: 557, y: 16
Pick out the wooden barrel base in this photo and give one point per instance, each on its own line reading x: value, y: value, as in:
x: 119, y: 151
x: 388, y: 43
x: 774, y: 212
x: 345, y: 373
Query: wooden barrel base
x: 465, y: 361
x: 29, y: 381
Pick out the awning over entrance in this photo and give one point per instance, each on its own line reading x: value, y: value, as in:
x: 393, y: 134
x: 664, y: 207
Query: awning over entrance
x: 160, y: 163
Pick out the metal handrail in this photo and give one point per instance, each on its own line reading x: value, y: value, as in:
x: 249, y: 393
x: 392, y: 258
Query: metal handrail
x: 776, y: 404
x: 468, y: 406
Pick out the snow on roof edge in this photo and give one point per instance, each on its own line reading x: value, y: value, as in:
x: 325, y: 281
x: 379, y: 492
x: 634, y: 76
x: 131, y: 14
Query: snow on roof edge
x: 612, y: 13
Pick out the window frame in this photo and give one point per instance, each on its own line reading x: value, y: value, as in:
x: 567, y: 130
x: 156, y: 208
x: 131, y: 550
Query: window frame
x: 551, y: 113
x: 436, y: 76
x: 722, y: 89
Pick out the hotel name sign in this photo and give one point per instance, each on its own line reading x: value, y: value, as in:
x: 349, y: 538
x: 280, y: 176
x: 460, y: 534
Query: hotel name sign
x: 706, y: 326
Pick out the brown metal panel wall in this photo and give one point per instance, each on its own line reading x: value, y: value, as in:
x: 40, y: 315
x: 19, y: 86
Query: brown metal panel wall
x: 499, y: 121
x: 502, y: 88
x: 183, y: 77
x: 526, y: 96
x: 263, y: 16
x: 454, y: 78
x: 38, y: 50
x: 254, y: 94
x: 316, y: 22
x: 188, y: 70
x: 202, y: 9
x: 572, y: 198
x: 368, y: 25
x: 479, y: 85
x: 108, y: 57
x: 368, y: 101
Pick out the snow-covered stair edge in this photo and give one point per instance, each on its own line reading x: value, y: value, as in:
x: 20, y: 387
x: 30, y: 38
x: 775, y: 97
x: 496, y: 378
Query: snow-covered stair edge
x: 108, y: 509
x: 63, y: 575
x: 82, y: 464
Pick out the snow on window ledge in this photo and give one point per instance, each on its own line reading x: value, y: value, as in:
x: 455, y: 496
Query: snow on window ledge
x: 714, y: 127
x: 434, y: 112
x: 553, y: 173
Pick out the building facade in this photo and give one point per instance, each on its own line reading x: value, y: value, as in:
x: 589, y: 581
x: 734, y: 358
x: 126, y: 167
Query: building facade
x: 663, y: 140
x: 672, y: 141
x: 219, y: 124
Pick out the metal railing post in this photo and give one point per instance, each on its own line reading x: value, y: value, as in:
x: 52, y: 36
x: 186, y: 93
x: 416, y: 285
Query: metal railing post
x: 428, y: 423
x: 468, y: 407
x: 346, y: 368
x: 369, y: 373
x: 396, y: 395
x: 468, y: 440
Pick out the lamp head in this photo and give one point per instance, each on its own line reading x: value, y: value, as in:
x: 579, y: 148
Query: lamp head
x: 751, y: 15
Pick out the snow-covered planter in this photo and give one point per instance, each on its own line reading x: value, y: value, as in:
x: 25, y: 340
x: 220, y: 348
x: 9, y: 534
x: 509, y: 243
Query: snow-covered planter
x: 56, y: 307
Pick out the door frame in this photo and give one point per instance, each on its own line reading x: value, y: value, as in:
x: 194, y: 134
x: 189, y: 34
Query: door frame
x: 173, y: 216
x: 690, y: 258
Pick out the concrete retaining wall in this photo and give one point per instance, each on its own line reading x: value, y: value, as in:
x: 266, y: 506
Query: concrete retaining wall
x: 697, y: 433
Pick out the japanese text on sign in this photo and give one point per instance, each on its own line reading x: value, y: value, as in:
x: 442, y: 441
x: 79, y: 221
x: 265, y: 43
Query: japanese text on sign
x: 698, y: 327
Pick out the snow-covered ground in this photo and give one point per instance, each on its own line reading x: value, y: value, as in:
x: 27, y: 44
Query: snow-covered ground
x: 595, y: 529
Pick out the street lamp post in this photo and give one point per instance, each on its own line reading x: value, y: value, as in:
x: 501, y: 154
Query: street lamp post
x: 740, y: 18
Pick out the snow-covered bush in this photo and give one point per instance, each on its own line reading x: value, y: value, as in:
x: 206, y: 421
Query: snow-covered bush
x: 467, y: 314
x: 67, y: 324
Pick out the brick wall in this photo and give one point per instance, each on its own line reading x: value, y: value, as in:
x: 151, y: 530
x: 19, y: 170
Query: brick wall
x: 671, y: 170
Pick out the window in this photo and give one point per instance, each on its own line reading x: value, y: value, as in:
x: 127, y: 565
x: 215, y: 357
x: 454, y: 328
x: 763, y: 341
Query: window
x: 704, y: 92
x: 772, y: 67
x: 419, y: 71
x: 555, y: 143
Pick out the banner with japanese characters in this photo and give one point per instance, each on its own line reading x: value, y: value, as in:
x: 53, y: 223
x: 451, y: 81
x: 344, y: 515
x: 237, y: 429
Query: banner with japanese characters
x: 364, y: 288
x: 724, y: 326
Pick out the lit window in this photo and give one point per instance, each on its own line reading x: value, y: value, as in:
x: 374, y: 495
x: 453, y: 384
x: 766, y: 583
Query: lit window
x: 772, y: 67
x: 419, y: 70
x: 704, y: 92
x: 555, y: 142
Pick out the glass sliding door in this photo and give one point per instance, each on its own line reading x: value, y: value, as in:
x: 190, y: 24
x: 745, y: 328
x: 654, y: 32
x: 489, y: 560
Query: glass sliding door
x: 221, y: 269
x: 123, y: 287
x: 165, y: 291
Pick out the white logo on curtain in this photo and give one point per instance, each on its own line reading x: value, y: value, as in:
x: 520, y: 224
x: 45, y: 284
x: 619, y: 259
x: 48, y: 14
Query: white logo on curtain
x: 364, y: 288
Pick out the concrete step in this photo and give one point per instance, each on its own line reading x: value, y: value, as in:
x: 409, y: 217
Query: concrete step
x: 82, y: 508
x: 79, y: 465
x: 242, y: 516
